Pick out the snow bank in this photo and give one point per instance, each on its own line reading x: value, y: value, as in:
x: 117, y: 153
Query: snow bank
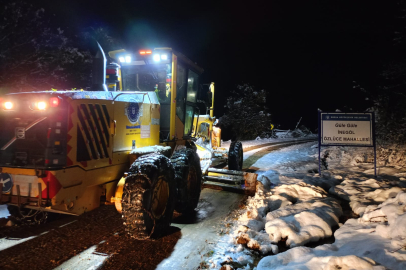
x: 295, y: 206
x: 304, y: 222
x: 392, y: 213
x: 300, y: 212
x: 363, y: 192
x: 377, y: 240
x: 306, y: 258
x: 359, y: 244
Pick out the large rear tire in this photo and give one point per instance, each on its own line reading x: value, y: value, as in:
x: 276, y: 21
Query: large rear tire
x: 235, y: 156
x: 188, y: 175
x: 148, y: 198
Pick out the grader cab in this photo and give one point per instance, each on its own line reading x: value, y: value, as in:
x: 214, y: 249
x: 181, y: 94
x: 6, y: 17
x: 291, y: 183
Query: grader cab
x: 141, y: 137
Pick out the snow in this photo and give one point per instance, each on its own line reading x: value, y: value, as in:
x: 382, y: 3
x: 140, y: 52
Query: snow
x: 295, y: 206
x: 304, y: 222
x: 150, y: 149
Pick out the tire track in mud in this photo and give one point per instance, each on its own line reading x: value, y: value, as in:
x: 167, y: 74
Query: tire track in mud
x: 63, y: 239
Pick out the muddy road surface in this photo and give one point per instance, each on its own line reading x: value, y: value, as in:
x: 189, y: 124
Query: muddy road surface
x: 97, y: 240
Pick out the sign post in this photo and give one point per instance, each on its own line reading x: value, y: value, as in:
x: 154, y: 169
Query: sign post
x: 347, y: 129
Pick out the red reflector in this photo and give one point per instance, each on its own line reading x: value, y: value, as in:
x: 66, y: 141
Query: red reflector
x: 54, y: 102
x: 47, y: 161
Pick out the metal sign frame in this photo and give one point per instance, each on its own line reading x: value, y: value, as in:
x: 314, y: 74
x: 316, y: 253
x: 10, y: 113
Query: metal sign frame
x: 372, y: 133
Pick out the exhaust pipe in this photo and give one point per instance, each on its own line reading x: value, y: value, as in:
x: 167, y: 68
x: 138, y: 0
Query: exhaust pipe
x: 99, y: 71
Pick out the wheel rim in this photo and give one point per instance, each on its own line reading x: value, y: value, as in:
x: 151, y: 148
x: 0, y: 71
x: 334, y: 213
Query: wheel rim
x: 160, y: 198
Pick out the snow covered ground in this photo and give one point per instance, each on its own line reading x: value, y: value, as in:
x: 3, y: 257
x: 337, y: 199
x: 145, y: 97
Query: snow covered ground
x: 295, y: 208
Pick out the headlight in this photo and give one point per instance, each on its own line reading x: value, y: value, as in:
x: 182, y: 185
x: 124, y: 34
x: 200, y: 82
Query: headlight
x: 8, y: 105
x: 40, y: 105
x: 157, y: 57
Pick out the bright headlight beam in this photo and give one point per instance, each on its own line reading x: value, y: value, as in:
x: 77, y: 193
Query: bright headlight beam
x: 128, y: 59
x: 164, y: 57
x: 8, y: 105
x: 121, y: 59
x: 156, y: 57
x: 41, y: 105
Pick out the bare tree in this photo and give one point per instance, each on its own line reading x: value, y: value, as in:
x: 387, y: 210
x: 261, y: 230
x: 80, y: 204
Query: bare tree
x: 247, y: 115
x: 34, y: 55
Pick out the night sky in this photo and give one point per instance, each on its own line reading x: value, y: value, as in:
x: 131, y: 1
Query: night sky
x: 305, y: 54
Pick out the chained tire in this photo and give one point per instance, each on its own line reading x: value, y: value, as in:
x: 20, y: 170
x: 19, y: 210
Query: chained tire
x: 188, y: 176
x: 148, y: 198
x: 235, y: 156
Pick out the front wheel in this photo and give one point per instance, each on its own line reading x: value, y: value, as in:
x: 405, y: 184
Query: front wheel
x: 148, y: 198
x: 235, y: 156
x: 188, y: 175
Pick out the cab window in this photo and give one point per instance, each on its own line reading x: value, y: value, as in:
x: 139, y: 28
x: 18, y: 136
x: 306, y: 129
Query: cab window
x: 189, y: 119
x: 192, y: 86
x: 181, y: 88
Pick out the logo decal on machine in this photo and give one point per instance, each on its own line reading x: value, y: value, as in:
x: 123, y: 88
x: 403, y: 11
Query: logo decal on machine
x: 20, y: 133
x: 7, y: 182
x: 133, y: 112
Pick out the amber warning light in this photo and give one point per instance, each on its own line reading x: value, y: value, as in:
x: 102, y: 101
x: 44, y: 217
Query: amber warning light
x: 144, y: 52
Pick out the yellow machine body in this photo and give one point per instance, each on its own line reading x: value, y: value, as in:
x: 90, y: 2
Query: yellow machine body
x: 66, y: 156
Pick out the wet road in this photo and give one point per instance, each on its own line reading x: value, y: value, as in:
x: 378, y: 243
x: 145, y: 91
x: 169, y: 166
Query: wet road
x: 200, y: 234
x: 97, y: 239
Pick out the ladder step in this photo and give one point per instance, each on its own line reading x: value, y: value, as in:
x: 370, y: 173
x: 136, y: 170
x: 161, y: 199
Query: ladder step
x: 224, y: 171
x: 227, y: 176
x: 224, y: 180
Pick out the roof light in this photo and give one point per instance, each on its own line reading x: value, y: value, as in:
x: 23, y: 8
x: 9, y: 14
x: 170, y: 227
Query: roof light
x: 122, y: 59
x: 144, y: 52
x: 128, y: 59
x: 164, y: 56
x: 157, y: 57
x: 54, y: 102
x: 8, y: 105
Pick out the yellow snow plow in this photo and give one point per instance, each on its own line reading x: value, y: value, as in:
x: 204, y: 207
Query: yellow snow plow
x: 141, y: 137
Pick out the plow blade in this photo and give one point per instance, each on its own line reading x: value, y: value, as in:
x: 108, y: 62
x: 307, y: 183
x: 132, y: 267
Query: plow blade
x: 235, y: 181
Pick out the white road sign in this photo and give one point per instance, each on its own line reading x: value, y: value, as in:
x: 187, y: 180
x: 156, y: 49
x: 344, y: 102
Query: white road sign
x: 346, y: 129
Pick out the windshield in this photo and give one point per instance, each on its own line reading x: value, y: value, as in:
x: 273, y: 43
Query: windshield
x: 151, y: 77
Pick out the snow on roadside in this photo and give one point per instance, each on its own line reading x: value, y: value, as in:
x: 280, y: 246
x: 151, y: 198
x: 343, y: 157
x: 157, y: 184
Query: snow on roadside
x: 364, y: 192
x: 358, y: 245
x: 293, y: 205
x: 377, y: 240
x: 295, y: 212
x: 301, y: 213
